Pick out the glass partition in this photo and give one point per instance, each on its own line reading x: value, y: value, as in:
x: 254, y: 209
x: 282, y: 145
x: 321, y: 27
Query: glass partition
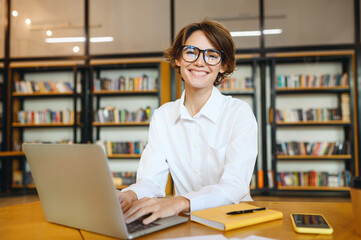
x: 46, y: 28
x: 309, y: 22
x: 239, y: 16
x: 129, y: 26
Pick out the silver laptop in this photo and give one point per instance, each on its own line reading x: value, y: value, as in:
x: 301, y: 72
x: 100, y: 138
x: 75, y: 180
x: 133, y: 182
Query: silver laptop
x: 76, y: 189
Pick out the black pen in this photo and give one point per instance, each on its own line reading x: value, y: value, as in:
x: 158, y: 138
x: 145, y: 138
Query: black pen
x: 246, y: 211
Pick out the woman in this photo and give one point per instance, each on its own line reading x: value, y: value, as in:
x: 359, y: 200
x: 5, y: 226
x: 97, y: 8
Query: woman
x: 207, y: 141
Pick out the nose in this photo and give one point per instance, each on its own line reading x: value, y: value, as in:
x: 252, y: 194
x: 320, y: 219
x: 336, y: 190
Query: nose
x: 200, y: 60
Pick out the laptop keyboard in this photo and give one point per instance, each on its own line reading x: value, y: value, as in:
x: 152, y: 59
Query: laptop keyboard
x: 137, y: 225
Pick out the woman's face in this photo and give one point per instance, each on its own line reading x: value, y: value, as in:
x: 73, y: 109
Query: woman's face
x: 199, y: 74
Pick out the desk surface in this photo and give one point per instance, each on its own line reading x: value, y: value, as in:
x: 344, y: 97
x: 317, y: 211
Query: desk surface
x: 27, y: 221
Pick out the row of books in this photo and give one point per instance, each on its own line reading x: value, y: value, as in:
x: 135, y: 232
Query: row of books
x: 312, y: 148
x: 110, y: 114
x: 17, y: 147
x: 126, y: 83
x: 312, y: 114
x: 46, y: 116
x: 314, y: 179
x: 136, y: 147
x: 308, y: 81
x: 42, y: 87
x: 18, y: 179
x: 124, y: 178
x: 236, y: 83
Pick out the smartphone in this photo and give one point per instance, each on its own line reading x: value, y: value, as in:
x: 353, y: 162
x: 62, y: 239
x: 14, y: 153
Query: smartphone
x: 310, y: 223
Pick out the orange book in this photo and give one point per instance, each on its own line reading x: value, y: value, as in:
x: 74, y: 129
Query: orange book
x: 260, y: 179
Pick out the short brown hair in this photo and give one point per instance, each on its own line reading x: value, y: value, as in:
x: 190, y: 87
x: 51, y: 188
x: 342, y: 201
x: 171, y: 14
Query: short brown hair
x: 219, y: 37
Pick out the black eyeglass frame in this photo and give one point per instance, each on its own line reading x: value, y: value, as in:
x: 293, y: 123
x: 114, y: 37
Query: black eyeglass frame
x: 202, y: 51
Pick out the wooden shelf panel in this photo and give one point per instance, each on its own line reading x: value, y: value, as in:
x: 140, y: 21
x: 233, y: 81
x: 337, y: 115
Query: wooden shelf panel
x: 11, y: 154
x: 124, y: 156
x: 24, y: 125
x: 305, y: 157
x: 49, y: 94
x: 105, y: 124
x: 240, y: 91
x: 308, y: 123
x: 123, y: 92
x: 29, y: 186
x: 314, y: 89
x: 121, y: 186
x: 310, y: 188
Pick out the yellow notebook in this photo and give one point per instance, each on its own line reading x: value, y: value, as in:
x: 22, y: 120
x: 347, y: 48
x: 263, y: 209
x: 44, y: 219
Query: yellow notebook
x: 217, y: 217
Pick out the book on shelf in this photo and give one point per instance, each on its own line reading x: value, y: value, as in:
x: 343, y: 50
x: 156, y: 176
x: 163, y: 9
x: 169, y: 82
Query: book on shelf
x: 42, y: 87
x: 217, y: 217
x: 311, y: 81
x: 46, y: 116
x: 124, y: 178
x: 314, y: 179
x: 345, y: 107
x: 294, y: 148
x: 110, y: 114
x: 270, y: 176
x: 233, y: 83
x: 312, y: 114
x: 135, y: 147
x: 123, y: 83
x: 260, y: 178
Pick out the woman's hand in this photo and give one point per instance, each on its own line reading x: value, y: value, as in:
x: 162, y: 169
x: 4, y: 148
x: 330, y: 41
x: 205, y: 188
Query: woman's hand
x: 126, y: 199
x: 157, y: 207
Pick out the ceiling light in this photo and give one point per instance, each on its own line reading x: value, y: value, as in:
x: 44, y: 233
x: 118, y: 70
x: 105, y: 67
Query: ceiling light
x: 76, y: 49
x: 101, y: 39
x: 255, y: 33
x: 272, y: 31
x: 78, y: 39
x: 15, y: 13
x: 28, y: 21
x: 49, y: 33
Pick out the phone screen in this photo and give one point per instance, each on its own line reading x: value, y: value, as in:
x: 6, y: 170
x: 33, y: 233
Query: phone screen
x: 309, y: 221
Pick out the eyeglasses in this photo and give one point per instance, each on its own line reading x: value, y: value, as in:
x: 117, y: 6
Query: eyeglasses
x: 211, y: 56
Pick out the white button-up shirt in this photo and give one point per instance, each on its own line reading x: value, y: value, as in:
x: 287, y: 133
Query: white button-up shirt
x: 210, y: 156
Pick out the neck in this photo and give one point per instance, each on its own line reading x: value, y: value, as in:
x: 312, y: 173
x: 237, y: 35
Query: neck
x: 195, y: 99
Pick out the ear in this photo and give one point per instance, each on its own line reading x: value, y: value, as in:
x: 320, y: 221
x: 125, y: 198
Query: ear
x: 223, y: 69
x: 177, y: 62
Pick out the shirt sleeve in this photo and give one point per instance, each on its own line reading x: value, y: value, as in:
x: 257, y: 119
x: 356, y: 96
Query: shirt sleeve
x: 241, y: 154
x: 152, y: 174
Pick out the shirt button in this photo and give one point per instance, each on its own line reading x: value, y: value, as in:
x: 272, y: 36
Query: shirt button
x: 195, y: 145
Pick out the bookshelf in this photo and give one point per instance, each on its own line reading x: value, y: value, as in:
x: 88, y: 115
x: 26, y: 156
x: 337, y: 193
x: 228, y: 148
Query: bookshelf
x: 45, y: 103
x: 124, y: 95
x: 312, y: 123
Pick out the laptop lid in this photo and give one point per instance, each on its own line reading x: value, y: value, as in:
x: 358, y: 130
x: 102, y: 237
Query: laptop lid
x: 76, y: 189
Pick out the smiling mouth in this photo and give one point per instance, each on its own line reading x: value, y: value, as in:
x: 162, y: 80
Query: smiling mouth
x: 198, y: 73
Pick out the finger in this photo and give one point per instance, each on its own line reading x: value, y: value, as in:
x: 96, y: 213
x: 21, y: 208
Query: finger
x: 135, y: 206
x: 125, y: 206
x: 151, y: 218
x: 136, y: 215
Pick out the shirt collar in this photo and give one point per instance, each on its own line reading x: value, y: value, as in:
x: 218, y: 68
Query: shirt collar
x: 210, y: 110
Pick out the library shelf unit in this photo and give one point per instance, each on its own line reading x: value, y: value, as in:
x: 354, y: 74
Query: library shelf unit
x: 44, y: 103
x: 126, y: 86
x: 291, y: 139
